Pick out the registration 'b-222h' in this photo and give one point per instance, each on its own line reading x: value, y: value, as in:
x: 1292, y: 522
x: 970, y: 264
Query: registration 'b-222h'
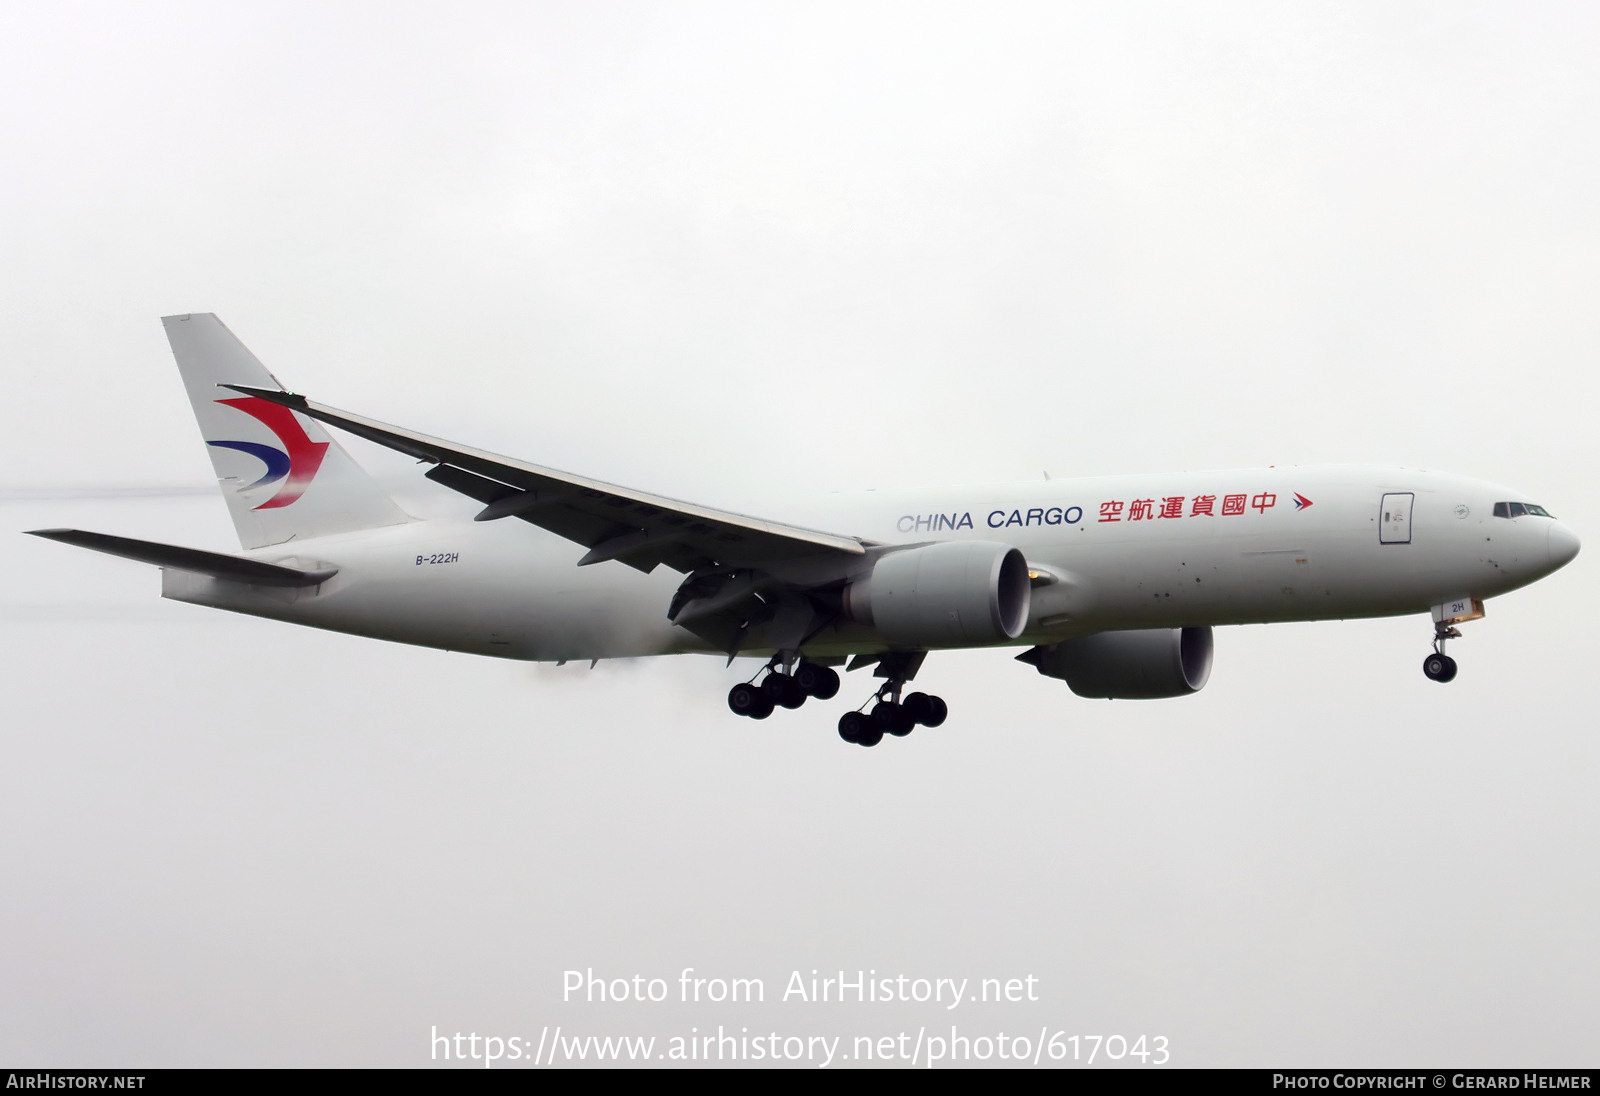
x: 1113, y: 584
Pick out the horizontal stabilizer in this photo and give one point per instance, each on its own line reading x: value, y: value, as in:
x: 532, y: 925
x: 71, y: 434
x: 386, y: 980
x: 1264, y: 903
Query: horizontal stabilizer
x: 215, y: 564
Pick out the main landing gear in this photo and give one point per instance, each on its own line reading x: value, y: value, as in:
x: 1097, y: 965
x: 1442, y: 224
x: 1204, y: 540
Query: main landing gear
x: 781, y: 689
x: 788, y: 685
x: 890, y: 715
x: 1439, y: 666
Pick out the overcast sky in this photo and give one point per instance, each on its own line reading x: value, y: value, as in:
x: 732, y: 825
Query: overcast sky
x: 732, y: 252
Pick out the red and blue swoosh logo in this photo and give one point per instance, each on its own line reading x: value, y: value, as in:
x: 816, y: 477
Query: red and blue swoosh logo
x: 295, y: 464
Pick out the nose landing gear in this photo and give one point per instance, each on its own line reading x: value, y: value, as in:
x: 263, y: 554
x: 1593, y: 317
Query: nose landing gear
x: 1439, y: 666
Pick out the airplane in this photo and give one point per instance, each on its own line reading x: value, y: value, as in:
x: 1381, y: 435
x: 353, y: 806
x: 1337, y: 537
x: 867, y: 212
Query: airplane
x: 1112, y: 584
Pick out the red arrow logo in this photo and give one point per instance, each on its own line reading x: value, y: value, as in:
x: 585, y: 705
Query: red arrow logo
x: 1300, y: 501
x: 304, y: 455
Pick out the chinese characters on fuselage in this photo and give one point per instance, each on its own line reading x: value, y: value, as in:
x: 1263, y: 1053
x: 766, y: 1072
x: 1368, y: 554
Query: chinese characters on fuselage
x: 1150, y: 509
x: 1203, y: 506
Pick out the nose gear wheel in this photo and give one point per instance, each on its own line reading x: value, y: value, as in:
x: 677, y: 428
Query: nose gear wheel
x: 1439, y: 666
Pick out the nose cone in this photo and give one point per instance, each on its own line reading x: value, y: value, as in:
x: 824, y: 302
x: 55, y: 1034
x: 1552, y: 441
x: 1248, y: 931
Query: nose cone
x: 1563, y: 545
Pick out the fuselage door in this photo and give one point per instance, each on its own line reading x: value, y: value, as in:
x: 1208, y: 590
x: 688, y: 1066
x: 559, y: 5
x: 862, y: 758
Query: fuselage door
x: 1394, y: 518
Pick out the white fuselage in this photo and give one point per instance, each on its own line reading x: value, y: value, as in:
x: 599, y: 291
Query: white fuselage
x: 1147, y: 551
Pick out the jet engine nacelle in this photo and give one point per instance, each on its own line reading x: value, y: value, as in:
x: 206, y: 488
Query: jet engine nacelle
x: 952, y: 594
x: 1147, y: 664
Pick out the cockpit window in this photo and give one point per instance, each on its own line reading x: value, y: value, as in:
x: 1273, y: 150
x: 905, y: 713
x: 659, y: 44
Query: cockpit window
x: 1519, y: 510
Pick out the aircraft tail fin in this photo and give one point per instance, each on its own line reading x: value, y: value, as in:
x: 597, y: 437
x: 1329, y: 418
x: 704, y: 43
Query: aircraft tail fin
x: 282, y: 475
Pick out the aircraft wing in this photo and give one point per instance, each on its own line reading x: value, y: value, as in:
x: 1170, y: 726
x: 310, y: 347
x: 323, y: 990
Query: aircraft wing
x: 634, y: 527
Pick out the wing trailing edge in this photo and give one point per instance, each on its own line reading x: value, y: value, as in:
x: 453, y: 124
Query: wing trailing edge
x: 634, y: 527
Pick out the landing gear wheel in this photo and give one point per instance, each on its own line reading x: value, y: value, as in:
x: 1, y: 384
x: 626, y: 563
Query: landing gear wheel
x: 1440, y: 668
x: 919, y: 706
x: 852, y: 725
x: 783, y: 689
x: 821, y: 682
x: 870, y: 736
x: 892, y: 718
x: 764, y: 707
x: 930, y: 711
x: 745, y: 699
